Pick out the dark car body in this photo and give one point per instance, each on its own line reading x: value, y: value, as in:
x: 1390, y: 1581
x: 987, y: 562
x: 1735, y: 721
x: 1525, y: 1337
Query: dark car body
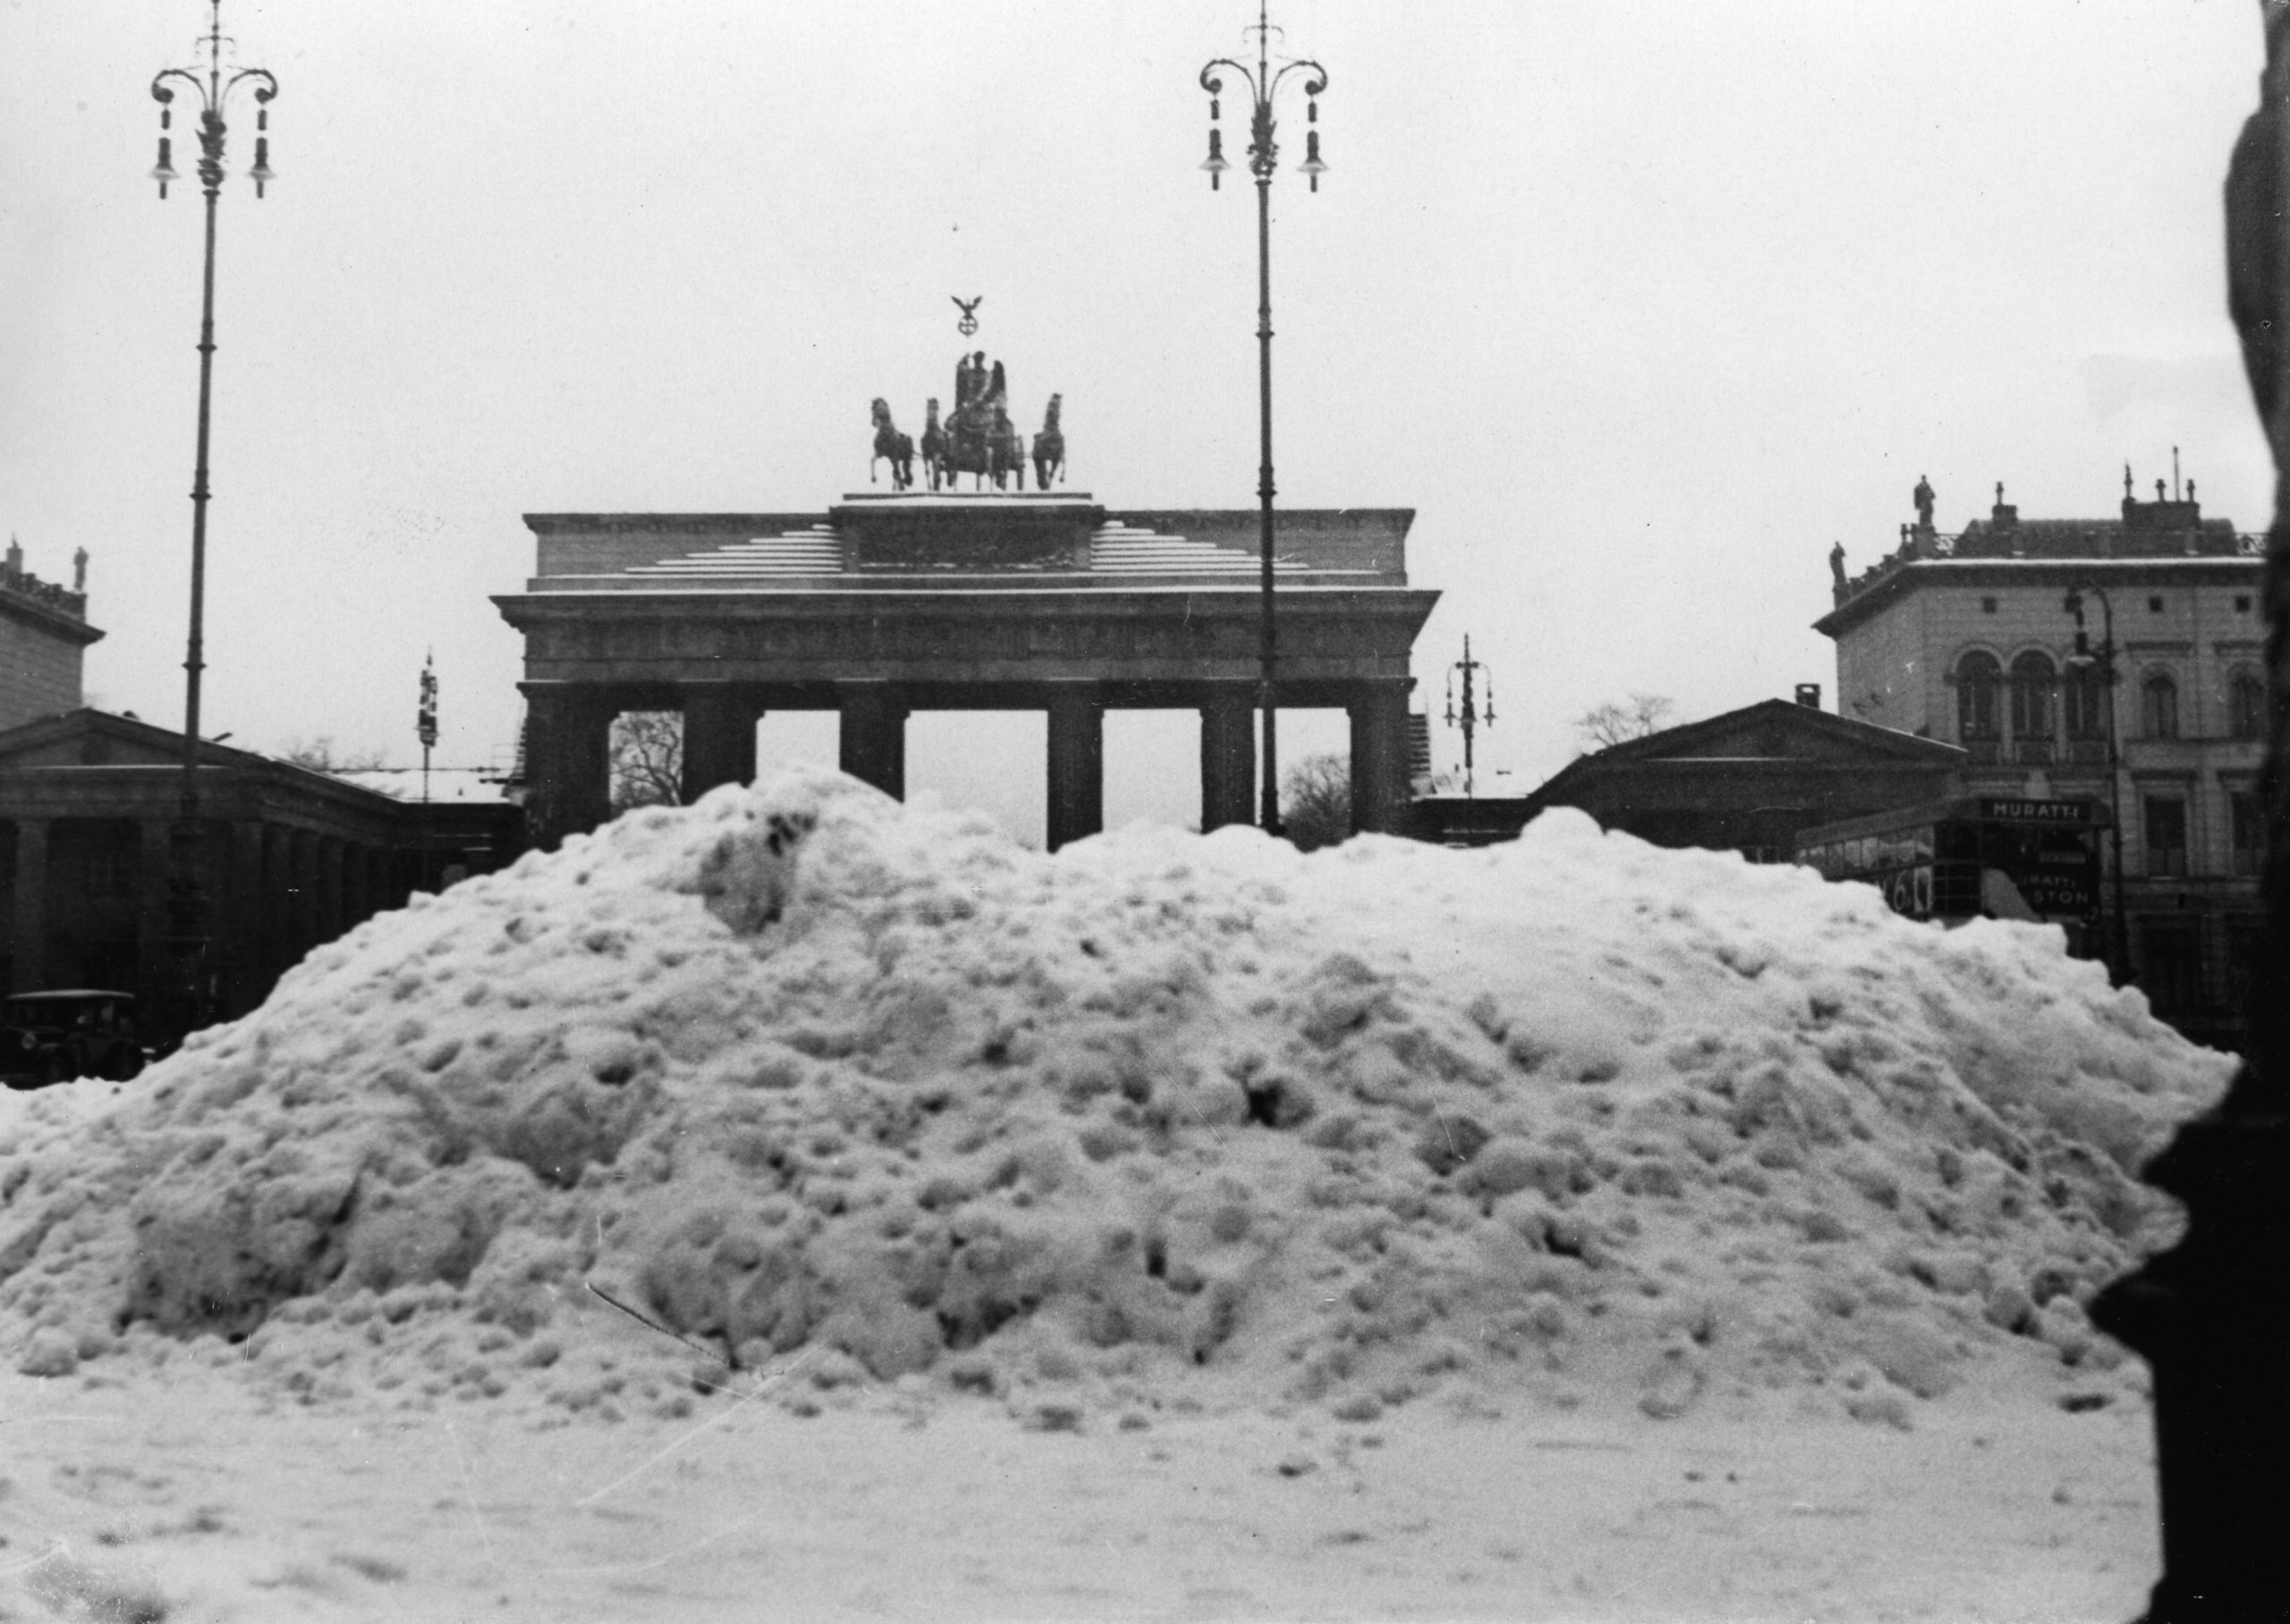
x: 48, y: 1038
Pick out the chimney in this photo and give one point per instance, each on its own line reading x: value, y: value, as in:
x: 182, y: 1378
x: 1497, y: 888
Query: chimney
x: 1809, y: 694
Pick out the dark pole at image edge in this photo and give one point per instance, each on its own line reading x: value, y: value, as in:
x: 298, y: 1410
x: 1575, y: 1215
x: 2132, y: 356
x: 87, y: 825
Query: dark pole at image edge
x: 1264, y: 83
x: 188, y: 927
x: 2211, y: 1315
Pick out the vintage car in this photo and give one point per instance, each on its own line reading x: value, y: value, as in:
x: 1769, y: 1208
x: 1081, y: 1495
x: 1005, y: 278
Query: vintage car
x: 47, y: 1038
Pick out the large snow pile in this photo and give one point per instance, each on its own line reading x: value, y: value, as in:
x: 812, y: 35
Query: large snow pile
x: 1161, y: 1117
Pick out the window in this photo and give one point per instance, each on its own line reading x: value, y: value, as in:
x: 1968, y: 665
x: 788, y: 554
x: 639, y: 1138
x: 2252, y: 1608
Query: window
x: 2249, y: 830
x: 2159, y: 699
x: 2170, y: 968
x: 1988, y: 606
x: 2241, y: 602
x: 2033, y: 682
x: 2246, y: 706
x: 2154, y: 606
x: 2084, y: 704
x: 2165, y: 818
x: 2245, y: 939
x: 1978, y: 679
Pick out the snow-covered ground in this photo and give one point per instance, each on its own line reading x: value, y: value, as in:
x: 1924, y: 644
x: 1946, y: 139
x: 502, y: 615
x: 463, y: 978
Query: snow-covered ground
x: 802, y: 1205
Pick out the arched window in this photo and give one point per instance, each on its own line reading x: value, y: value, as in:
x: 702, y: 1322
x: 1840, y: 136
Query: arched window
x: 2032, y: 683
x: 2158, y: 706
x: 1978, y: 679
x: 2246, y: 706
x: 2082, y: 702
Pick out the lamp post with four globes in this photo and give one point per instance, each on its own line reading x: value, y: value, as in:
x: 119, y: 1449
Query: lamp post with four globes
x: 187, y: 925
x: 1264, y: 82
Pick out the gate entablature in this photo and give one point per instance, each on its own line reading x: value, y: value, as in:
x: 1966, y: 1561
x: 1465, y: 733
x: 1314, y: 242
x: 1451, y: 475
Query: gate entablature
x: 865, y: 540
x: 888, y: 604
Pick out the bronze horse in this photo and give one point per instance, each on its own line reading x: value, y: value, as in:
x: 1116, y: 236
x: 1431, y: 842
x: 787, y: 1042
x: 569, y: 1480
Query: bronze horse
x: 933, y: 446
x: 1049, y: 448
x: 891, y: 447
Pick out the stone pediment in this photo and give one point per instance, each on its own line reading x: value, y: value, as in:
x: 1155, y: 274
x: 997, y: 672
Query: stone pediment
x: 89, y: 737
x: 993, y: 530
x: 1779, y: 730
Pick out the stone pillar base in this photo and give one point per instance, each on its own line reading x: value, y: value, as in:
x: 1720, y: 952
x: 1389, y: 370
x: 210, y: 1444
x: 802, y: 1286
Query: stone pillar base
x: 568, y: 762
x: 1077, y: 763
x: 1227, y: 761
x: 1378, y: 758
x: 874, y: 736
x: 719, y: 738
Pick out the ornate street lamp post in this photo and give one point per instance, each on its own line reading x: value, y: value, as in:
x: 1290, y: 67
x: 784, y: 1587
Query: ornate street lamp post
x: 2101, y: 665
x: 1264, y: 82
x: 1473, y: 714
x: 187, y: 902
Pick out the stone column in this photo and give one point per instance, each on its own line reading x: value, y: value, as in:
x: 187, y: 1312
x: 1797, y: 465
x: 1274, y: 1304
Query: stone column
x: 329, y: 887
x: 1077, y: 762
x: 874, y: 735
x: 568, y: 761
x: 718, y: 737
x: 244, y: 956
x: 345, y: 886
x: 156, y: 982
x: 1378, y: 713
x: 1228, y: 760
x: 31, y: 946
x: 303, y: 887
x: 275, y: 922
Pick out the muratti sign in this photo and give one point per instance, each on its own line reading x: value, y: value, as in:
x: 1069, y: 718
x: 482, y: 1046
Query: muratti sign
x: 2022, y: 811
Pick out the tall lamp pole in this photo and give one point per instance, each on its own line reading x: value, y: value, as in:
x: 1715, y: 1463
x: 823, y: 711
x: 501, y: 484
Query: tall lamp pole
x: 2102, y: 665
x: 187, y: 922
x: 1264, y: 82
x: 1473, y: 713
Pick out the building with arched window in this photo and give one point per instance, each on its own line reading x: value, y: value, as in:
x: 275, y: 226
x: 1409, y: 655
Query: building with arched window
x: 1967, y: 639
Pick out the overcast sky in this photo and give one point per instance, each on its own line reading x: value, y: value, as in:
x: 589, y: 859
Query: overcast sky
x: 1640, y: 307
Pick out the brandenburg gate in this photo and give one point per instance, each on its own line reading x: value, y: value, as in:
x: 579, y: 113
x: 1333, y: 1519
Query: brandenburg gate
x: 888, y: 604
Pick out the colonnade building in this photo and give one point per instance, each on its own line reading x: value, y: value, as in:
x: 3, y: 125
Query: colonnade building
x: 884, y: 606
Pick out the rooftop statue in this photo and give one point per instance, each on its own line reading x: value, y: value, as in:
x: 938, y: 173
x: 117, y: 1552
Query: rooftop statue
x: 1923, y: 497
x: 892, y: 446
x: 1050, y: 447
x: 980, y: 439
x: 977, y: 437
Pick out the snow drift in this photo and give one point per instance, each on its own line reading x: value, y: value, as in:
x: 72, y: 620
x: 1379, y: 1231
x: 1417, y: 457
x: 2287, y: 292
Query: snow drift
x: 800, y: 1068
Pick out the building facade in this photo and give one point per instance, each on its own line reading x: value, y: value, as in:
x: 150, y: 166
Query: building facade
x: 1747, y: 780
x: 2156, y: 711
x: 44, y: 637
x: 90, y: 806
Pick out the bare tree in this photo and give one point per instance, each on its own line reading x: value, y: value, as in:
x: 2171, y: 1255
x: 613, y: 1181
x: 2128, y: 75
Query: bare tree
x: 321, y: 754
x: 1315, y: 802
x: 647, y: 759
x: 1615, y: 723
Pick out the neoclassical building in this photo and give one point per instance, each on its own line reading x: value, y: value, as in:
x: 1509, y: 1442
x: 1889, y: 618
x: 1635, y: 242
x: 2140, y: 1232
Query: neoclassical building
x: 289, y: 858
x: 886, y: 605
x: 1972, y: 639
